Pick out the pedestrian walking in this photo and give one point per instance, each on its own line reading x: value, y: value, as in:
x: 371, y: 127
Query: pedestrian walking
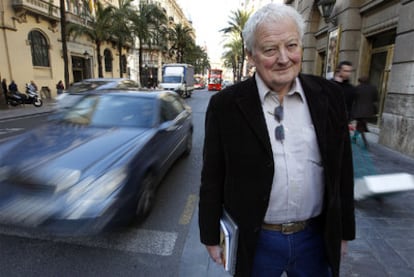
x: 342, y: 77
x: 60, y: 87
x: 4, y: 88
x: 366, y: 96
x: 277, y: 158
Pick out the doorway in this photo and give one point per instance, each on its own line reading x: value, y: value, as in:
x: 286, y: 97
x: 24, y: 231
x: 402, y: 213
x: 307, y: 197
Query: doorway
x: 381, y: 55
x: 81, y: 68
x: 379, y: 71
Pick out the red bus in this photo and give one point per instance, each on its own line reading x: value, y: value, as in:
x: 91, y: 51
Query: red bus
x: 215, y: 78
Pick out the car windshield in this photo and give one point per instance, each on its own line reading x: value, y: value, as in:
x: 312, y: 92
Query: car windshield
x: 101, y: 110
x: 171, y: 79
x: 85, y: 86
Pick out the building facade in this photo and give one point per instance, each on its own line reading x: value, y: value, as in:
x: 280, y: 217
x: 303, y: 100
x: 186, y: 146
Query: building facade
x: 376, y: 36
x: 31, y: 45
x: 153, y: 58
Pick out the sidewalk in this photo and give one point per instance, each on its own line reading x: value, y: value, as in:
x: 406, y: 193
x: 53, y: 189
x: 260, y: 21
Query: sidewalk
x: 21, y: 111
x: 384, y: 245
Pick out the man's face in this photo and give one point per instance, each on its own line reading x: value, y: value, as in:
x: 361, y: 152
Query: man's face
x: 345, y: 72
x: 277, y: 54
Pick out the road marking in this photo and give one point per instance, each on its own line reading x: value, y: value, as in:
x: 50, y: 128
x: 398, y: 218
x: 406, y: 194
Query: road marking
x: 133, y: 240
x: 9, y: 130
x: 188, y: 209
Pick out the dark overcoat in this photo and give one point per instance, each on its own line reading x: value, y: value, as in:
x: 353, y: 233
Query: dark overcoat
x: 366, y: 96
x: 238, y: 166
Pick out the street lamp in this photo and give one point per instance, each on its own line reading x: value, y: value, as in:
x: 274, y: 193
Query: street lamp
x: 146, y: 75
x: 325, y: 8
x: 86, y: 55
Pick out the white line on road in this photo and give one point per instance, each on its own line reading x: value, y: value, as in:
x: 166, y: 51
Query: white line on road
x: 133, y: 240
x: 189, y: 209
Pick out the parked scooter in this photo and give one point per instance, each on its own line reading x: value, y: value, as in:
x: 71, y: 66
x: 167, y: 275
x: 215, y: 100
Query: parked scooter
x: 31, y: 97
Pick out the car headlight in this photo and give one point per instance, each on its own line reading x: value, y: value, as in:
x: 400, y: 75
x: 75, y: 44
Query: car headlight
x: 90, y: 193
x: 100, y: 188
x: 64, y: 178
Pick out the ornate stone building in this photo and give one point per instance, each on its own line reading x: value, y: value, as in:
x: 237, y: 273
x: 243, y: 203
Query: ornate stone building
x: 377, y: 37
x: 155, y: 57
x: 31, y: 46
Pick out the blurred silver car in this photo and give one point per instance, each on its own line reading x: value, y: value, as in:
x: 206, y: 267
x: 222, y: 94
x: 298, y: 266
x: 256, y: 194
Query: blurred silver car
x: 75, y: 91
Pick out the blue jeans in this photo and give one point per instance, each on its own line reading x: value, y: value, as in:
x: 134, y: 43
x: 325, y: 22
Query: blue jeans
x: 301, y: 254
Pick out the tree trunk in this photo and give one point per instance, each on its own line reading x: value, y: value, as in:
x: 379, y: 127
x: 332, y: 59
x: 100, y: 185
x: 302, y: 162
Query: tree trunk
x: 120, y: 60
x: 98, y: 49
x: 140, y: 64
x: 64, y: 44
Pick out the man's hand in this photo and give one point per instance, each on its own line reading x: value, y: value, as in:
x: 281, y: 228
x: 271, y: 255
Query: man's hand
x: 215, y: 253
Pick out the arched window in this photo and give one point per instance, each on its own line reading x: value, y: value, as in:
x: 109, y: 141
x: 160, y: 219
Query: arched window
x: 108, y: 60
x: 40, y: 49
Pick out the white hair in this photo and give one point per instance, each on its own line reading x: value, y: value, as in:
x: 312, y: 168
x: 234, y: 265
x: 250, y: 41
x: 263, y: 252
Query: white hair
x: 271, y: 14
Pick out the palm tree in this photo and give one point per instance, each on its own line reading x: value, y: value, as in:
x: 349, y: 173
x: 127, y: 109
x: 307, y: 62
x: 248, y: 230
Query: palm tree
x: 122, y: 28
x: 196, y: 56
x: 236, y: 24
x: 64, y: 43
x: 233, y: 57
x: 97, y: 29
x: 179, y: 36
x: 148, y: 24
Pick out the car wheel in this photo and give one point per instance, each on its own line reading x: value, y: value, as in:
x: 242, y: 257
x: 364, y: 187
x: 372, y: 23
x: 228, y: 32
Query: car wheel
x: 188, y: 144
x: 146, y: 200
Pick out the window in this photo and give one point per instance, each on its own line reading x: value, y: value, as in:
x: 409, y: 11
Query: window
x: 112, y: 111
x: 108, y: 60
x: 68, y: 5
x: 39, y: 48
x: 171, y: 107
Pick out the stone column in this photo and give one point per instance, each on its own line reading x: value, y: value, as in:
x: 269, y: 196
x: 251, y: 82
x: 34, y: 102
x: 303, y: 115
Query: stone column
x: 397, y: 128
x: 347, y: 17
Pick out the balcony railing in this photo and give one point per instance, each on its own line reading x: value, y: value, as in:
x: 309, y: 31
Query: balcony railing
x: 74, y: 18
x: 42, y: 8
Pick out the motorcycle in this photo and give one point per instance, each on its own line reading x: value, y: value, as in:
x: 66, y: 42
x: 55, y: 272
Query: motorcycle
x: 31, y: 97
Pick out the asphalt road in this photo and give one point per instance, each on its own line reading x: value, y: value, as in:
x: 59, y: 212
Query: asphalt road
x: 153, y: 248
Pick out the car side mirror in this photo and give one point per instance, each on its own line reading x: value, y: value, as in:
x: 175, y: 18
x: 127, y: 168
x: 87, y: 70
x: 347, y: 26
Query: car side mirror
x: 168, y: 126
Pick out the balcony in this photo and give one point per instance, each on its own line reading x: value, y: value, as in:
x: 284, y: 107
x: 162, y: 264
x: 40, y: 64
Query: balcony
x: 37, y: 8
x: 77, y: 19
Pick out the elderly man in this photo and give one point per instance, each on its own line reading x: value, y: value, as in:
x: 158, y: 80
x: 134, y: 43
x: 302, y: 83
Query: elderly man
x: 277, y: 158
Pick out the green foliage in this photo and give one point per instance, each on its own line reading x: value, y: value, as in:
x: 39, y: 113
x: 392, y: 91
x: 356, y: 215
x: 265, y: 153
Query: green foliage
x: 235, y: 55
x: 96, y: 28
x: 146, y: 25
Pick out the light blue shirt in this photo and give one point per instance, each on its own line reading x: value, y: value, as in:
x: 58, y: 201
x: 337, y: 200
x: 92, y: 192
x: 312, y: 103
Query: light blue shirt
x: 298, y: 185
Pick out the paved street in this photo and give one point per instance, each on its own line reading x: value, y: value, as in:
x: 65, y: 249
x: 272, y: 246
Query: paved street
x: 385, y: 237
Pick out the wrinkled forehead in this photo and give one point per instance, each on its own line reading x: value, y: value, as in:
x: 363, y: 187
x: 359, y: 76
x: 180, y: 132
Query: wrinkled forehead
x: 276, y: 29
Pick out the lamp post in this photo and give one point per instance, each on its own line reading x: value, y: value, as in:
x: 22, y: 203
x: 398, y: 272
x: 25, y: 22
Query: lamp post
x: 146, y: 75
x: 325, y: 8
x: 86, y: 55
